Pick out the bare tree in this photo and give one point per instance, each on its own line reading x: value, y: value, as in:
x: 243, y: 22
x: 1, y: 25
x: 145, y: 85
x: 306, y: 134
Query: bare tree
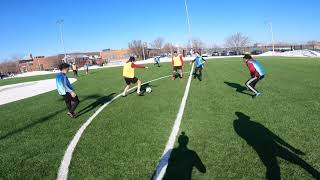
x: 237, y: 42
x: 9, y: 66
x: 215, y: 47
x: 136, y: 47
x: 157, y: 43
x: 197, y: 44
x: 168, y: 47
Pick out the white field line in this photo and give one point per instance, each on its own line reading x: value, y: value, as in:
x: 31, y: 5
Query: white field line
x: 162, y: 166
x: 65, y: 163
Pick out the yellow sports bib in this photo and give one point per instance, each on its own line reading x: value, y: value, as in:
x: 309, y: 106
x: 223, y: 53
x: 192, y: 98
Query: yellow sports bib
x: 177, y: 61
x: 128, y: 71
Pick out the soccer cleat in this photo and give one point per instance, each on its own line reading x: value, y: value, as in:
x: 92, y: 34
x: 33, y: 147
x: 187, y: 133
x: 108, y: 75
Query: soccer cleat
x: 140, y: 93
x: 70, y: 115
x: 75, y: 115
x: 258, y: 94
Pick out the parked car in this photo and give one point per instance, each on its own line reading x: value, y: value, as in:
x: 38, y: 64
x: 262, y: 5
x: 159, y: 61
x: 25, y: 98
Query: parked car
x: 256, y: 52
x: 215, y: 54
x: 205, y: 55
x: 224, y: 53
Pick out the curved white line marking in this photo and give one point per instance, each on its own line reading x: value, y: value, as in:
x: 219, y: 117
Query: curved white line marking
x: 65, y: 163
x: 162, y: 166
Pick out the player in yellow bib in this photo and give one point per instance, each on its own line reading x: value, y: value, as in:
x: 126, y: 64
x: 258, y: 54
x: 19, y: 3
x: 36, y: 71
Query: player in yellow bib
x: 129, y: 76
x: 177, y: 63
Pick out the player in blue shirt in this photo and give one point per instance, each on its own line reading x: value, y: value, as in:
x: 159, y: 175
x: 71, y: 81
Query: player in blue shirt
x: 157, y: 61
x: 66, y: 90
x: 199, y: 62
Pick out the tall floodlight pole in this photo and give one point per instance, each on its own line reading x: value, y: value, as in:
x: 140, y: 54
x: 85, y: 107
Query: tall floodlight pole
x: 272, y: 35
x: 188, y: 21
x: 144, y: 54
x: 60, y: 23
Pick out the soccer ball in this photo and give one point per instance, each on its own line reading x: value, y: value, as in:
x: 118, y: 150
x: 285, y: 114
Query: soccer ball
x: 148, y: 90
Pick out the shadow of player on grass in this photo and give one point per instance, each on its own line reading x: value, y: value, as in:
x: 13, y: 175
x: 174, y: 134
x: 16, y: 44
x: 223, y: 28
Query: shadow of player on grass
x: 100, y: 100
x: 239, y: 88
x: 269, y: 146
x: 181, y: 162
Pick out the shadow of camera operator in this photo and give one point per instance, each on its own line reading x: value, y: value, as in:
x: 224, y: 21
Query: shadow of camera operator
x: 182, y: 160
x: 269, y: 146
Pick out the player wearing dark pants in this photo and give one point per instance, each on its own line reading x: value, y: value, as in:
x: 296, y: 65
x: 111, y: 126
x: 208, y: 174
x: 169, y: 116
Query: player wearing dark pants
x: 256, y: 72
x: 157, y: 61
x: 251, y: 83
x: 66, y: 90
x: 129, y: 76
x: 75, y: 70
x: 199, y: 62
x: 177, y: 63
x: 71, y: 102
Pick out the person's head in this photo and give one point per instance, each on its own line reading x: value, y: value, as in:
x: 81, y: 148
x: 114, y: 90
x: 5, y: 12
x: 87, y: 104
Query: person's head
x: 132, y: 59
x: 183, y: 140
x: 64, y: 67
x: 198, y: 53
x: 175, y: 53
x: 247, y: 57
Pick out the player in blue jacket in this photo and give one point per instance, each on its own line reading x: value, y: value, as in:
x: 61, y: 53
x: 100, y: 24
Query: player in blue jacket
x: 66, y: 90
x: 157, y: 61
x: 199, y: 62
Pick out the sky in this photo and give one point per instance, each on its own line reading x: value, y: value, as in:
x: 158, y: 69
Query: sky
x: 92, y: 25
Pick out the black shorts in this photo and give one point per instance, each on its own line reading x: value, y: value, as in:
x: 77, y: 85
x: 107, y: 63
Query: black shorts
x: 175, y: 68
x: 131, y: 80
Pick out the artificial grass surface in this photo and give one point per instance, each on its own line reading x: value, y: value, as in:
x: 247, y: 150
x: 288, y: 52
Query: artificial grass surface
x: 127, y: 138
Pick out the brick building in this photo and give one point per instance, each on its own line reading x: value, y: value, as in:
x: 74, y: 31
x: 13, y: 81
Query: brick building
x: 121, y: 54
x: 40, y: 63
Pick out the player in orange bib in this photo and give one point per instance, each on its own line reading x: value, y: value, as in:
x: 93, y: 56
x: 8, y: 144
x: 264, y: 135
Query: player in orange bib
x: 177, y: 63
x: 129, y: 76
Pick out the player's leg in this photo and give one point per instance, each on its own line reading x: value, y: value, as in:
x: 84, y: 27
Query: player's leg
x: 125, y: 90
x: 181, y: 73
x: 139, y: 87
x: 127, y: 80
x: 254, y: 84
x: 248, y: 84
x: 200, y: 74
x: 67, y: 100
x: 195, y: 72
x: 74, y: 104
x: 174, y: 73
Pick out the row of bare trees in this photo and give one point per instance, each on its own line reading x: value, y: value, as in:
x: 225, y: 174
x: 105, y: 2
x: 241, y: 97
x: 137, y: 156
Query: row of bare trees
x: 9, y: 66
x: 159, y: 46
x: 235, y: 42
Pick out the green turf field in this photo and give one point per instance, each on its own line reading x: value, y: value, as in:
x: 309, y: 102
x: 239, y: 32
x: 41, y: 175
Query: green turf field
x: 235, y: 136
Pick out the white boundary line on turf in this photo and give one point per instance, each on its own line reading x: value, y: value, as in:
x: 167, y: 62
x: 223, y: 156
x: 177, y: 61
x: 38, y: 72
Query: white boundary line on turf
x: 65, y: 163
x: 162, y: 166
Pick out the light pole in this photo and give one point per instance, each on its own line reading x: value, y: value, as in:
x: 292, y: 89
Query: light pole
x: 188, y: 21
x: 143, y: 46
x: 60, y: 23
x: 272, y: 35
